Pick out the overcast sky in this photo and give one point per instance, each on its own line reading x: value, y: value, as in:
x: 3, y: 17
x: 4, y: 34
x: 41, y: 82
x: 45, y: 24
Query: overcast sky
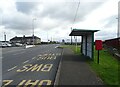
x: 54, y: 18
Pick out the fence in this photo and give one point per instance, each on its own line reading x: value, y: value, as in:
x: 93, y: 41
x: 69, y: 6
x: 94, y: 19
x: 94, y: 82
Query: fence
x: 115, y: 43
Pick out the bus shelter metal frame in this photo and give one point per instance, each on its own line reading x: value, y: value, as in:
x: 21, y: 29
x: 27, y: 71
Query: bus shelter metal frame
x: 87, y: 41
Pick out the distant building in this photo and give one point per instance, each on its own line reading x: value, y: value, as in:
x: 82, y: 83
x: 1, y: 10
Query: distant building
x: 26, y: 40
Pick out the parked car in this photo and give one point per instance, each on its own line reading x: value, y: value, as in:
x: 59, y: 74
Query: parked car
x: 5, y: 44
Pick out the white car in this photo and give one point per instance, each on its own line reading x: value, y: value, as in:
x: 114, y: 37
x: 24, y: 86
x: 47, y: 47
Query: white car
x: 18, y: 44
x: 5, y: 44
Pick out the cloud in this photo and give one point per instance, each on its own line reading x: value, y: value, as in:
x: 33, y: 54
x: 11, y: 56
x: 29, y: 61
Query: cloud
x: 26, y: 7
x: 51, y: 16
x: 66, y: 11
x: 17, y: 21
x: 110, y: 21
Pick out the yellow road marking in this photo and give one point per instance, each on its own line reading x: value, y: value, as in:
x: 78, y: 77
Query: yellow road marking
x: 39, y: 55
x: 38, y: 59
x: 7, y: 82
x: 45, y: 54
x: 45, y: 57
x: 42, y: 58
x: 49, y: 54
x: 55, y: 57
x: 12, y: 68
x: 48, y: 82
x: 48, y: 58
x: 25, y: 67
x: 21, y: 83
x: 36, y: 67
x: 47, y: 67
x: 30, y: 82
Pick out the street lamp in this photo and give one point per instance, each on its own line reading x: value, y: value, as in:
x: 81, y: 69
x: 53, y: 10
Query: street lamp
x: 118, y: 27
x: 33, y: 28
x: 118, y: 31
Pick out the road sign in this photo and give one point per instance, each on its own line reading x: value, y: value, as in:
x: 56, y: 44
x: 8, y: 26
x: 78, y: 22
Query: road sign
x: 98, y: 44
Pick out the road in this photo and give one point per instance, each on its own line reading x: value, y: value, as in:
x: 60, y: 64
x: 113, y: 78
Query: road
x: 32, y: 66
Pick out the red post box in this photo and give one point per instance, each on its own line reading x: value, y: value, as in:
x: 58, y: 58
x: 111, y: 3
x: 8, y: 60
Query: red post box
x: 98, y: 44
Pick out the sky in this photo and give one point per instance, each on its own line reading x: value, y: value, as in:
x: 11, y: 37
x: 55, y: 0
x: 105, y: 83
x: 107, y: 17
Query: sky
x: 53, y: 19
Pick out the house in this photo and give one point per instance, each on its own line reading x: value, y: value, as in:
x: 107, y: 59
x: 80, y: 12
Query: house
x: 26, y: 40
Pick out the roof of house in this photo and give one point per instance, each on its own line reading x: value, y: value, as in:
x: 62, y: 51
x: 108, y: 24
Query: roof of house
x: 19, y: 38
x: 81, y: 32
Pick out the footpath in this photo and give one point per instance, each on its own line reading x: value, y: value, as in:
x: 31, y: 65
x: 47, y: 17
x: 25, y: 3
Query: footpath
x: 74, y: 70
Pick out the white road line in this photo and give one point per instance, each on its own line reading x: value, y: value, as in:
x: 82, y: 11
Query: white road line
x: 33, y: 57
x: 13, y: 51
x: 12, y: 68
x: 18, y: 53
x: 25, y: 61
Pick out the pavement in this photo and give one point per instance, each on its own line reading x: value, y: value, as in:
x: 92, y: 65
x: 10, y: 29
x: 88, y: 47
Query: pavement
x: 75, y: 71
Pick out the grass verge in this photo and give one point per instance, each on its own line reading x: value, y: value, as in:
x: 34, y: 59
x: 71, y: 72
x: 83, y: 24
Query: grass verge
x: 73, y: 48
x: 108, y: 68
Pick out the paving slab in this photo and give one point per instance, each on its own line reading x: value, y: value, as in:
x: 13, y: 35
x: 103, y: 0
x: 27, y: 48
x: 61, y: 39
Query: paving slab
x: 75, y: 71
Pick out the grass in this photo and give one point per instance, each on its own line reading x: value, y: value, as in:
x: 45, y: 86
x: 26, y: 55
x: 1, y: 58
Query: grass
x: 73, y: 48
x: 107, y: 69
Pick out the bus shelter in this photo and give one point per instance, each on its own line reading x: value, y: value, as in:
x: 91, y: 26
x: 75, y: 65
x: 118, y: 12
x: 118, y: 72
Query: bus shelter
x: 87, y: 41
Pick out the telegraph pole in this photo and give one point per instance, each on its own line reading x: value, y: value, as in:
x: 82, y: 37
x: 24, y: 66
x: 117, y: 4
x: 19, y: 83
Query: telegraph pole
x: 118, y: 32
x: 71, y: 36
x: 4, y: 37
x: 33, y: 29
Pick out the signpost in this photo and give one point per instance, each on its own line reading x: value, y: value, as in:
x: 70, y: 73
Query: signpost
x: 98, y: 46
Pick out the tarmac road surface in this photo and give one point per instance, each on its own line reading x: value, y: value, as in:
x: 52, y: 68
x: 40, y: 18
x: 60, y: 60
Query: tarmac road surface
x: 32, y: 66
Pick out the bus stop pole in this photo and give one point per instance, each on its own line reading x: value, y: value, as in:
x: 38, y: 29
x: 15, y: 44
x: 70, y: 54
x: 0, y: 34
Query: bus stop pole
x: 98, y: 57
